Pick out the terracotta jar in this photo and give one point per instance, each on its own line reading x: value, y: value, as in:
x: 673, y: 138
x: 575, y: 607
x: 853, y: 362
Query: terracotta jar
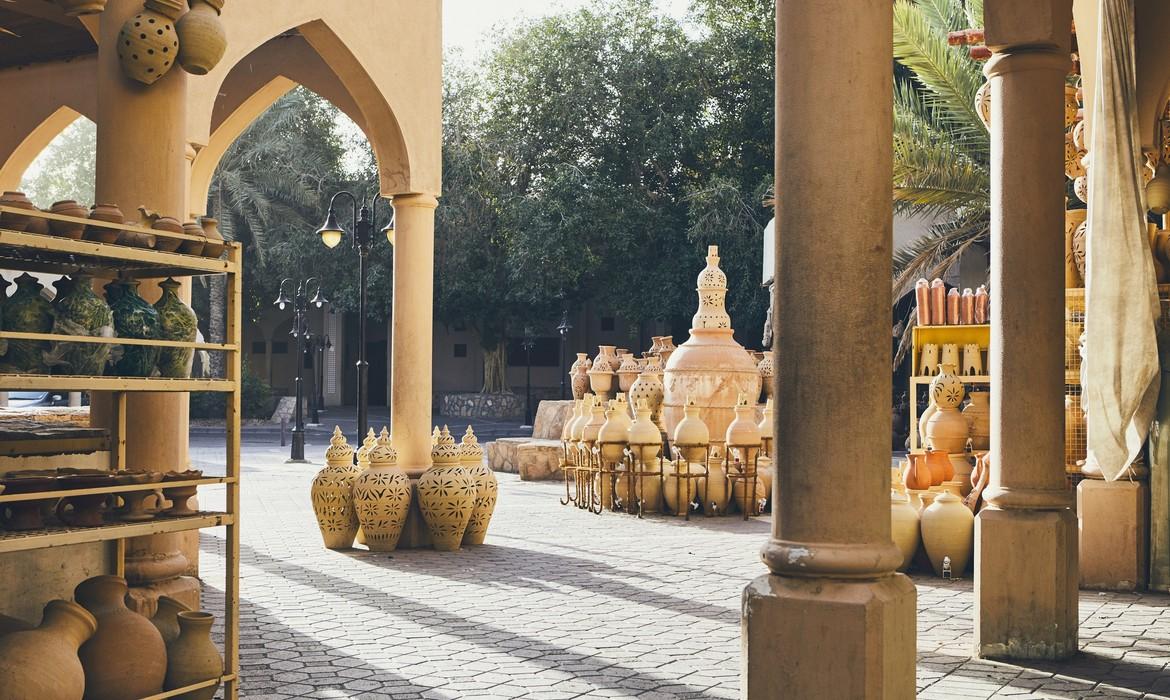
x: 167, y: 224
x: 665, y: 348
x: 193, y: 657
x: 487, y: 488
x: 166, y: 618
x: 189, y: 247
x: 940, y: 466
x: 577, y: 426
x: 904, y: 527
x: 127, y: 658
x: 13, y: 221
x: 147, y: 46
x: 580, y: 382
x: 946, y: 429
x: 381, y: 497
x: 363, y: 463
x: 613, y: 435
x: 1073, y: 218
x: 606, y: 359
x: 627, y: 372
x: 591, y: 428
x: 109, y: 213
x: 134, y: 317
x: 332, y: 494
x: 180, y: 496
x: 648, y: 387
x: 202, y: 39
x: 714, y: 490
x: 947, y: 530
x: 74, y: 8
x: 749, y: 495
x: 711, y: 367
x: 214, y: 245
x: 88, y: 510
x: 672, y: 488
x: 918, y: 475
x: 67, y: 229
x: 80, y: 311
x: 978, y: 417
x: 647, y: 489
x: 743, y: 436
x: 767, y: 369
x: 42, y: 663
x: 601, y: 380
x: 691, y: 435
x: 446, y: 495
x: 983, y: 104
x: 644, y: 438
x: 176, y: 322
x: 27, y: 311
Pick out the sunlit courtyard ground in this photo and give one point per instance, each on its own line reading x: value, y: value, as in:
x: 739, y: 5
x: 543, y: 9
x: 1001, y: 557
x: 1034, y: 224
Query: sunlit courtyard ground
x: 563, y: 604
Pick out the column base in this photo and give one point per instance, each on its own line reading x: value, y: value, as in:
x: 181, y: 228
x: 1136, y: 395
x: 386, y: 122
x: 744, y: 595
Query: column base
x: 144, y: 599
x: 1025, y: 584
x: 1114, y: 520
x: 826, y: 638
x: 415, y: 533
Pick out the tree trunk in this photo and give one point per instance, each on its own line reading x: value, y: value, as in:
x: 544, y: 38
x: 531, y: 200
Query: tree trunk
x: 217, y: 322
x: 495, y: 369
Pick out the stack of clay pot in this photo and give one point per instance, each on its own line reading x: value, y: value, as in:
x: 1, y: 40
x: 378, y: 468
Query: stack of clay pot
x: 332, y: 494
x: 938, y: 307
x: 946, y: 428
x: 711, y: 367
x: 446, y: 494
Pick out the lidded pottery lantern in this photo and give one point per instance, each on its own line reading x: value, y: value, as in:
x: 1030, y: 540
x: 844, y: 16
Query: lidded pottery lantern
x: 710, y: 367
x: 332, y: 494
x: 446, y: 494
x: 603, y: 372
x: 487, y: 488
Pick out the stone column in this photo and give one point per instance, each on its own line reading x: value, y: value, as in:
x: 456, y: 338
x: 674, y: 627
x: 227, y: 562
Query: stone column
x: 1027, y: 611
x: 141, y: 160
x: 832, y: 619
x: 411, y: 360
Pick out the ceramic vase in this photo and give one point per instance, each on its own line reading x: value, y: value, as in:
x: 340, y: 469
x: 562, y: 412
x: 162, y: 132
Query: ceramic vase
x: 27, y: 515
x: 67, y: 229
x: 691, y: 435
x: 176, y: 322
x: 647, y: 489
x: 12, y: 220
x: 1073, y: 218
x: 107, y: 213
x: 202, y: 39
x: 978, y: 417
x: 487, y: 488
x: 147, y: 46
x: 381, y: 497
x: 627, y: 373
x: 983, y: 103
x: 749, y: 495
x: 767, y: 367
x: 918, y: 475
x: 743, y: 437
x: 643, y: 437
x: 946, y: 429
x: 904, y: 527
x: 947, y: 530
x: 715, y: 490
x: 674, y: 487
x: 446, y: 495
x: 126, y: 659
x: 167, y: 224
x: 613, y: 435
x: 43, y: 663
x: 939, y: 463
x: 332, y: 494
x: 133, y: 318
x: 166, y: 618
x: 193, y: 657
x: 213, y: 245
x: 648, y: 388
x: 606, y: 359
x: 26, y: 311
x: 601, y: 381
x: 193, y: 247
x: 81, y: 312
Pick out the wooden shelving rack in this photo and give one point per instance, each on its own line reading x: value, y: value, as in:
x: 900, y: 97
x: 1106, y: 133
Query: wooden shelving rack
x: 31, y: 252
x: 956, y: 335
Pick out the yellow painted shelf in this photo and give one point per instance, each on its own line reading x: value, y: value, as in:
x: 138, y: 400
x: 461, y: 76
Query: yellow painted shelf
x: 70, y: 493
x: 67, y: 382
x: 194, y: 686
x: 61, y: 536
x: 102, y: 340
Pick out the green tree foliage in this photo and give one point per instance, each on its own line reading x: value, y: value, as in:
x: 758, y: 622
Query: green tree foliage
x: 65, y: 169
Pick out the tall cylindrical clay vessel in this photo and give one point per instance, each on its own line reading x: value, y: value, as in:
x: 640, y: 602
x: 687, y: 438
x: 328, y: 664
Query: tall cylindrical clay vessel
x: 126, y: 659
x: 43, y: 663
x: 193, y: 658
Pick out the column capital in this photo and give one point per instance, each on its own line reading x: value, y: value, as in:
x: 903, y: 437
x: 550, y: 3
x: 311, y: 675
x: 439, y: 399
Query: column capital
x: 1028, y: 59
x: 421, y: 200
x: 868, y: 560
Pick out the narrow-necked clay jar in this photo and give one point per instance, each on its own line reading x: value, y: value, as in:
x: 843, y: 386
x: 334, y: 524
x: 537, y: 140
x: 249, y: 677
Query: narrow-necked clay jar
x: 193, y: 657
x: 947, y: 528
x: 109, y: 213
x: 214, y: 246
x: 691, y: 435
x: 166, y: 618
x: 67, y: 229
x: 192, y: 228
x: 43, y: 663
x: 16, y: 200
x: 127, y: 657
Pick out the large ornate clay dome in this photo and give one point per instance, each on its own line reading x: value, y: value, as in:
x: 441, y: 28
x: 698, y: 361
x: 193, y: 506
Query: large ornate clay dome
x: 711, y: 368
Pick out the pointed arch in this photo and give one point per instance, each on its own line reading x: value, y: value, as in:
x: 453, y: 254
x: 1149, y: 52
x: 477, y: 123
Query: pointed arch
x: 33, y: 143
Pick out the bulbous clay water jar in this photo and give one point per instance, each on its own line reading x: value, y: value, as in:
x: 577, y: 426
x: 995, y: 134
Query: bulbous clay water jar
x: 166, y: 618
x: 126, y: 659
x: 947, y: 530
x: 446, y: 495
x: 67, y: 229
x: 381, y: 497
x: 193, y: 657
x: 710, y: 367
x: 332, y: 494
x: 904, y: 527
x: 487, y: 488
x: 42, y: 663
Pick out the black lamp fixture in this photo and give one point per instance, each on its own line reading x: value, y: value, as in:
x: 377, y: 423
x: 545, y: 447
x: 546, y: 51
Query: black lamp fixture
x: 332, y: 233
x: 300, y: 303
x: 563, y: 329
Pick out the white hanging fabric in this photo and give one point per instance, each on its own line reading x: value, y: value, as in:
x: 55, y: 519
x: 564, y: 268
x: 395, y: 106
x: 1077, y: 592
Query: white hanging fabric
x: 1120, y: 371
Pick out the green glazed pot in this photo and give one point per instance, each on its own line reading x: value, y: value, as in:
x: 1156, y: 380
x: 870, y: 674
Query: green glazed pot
x: 133, y: 318
x: 81, y: 312
x: 27, y: 311
x: 177, y: 322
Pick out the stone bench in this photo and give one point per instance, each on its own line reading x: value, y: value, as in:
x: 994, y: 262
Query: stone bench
x: 537, y: 458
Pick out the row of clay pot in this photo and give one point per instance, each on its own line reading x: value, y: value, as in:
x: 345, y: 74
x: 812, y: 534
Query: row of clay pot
x: 370, y: 502
x: 165, y: 33
x: 938, y: 307
x: 211, y: 243
x: 99, y: 649
x: 91, y: 510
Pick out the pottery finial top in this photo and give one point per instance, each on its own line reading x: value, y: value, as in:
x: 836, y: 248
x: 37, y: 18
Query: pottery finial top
x: 384, y: 436
x: 339, y: 449
x: 469, y: 449
x: 435, y: 435
x: 712, y: 289
x: 371, y: 441
x: 383, y: 455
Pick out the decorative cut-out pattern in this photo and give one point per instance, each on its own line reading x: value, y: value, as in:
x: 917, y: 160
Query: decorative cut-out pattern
x: 381, y: 497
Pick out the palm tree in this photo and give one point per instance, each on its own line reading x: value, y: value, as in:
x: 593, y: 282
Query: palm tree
x: 941, y: 147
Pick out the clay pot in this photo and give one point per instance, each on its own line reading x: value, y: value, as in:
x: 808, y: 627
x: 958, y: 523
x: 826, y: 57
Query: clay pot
x: 904, y: 527
x: 628, y: 373
x: 672, y: 489
x: 939, y: 463
x: 42, y: 663
x: 74, y: 8
x: 601, y: 382
x: 767, y: 367
x: 193, y: 657
x: 607, y: 359
x: 1073, y: 218
x: 945, y: 428
x: 691, y: 435
x: 176, y: 322
x: 714, y: 491
x: 134, y: 317
x: 202, y: 39
x: 109, y: 213
x: 381, y: 499
x: 743, y: 437
x: 918, y: 475
x: 947, y: 529
x: 37, y: 225
x: 180, y: 496
x: 647, y: 489
x: 214, y: 246
x: 332, y: 494
x: 8, y: 625
x: 134, y: 510
x: 648, y: 388
x: 644, y: 438
x: 739, y: 494
x: 187, y: 247
x: 16, y: 200
x: 148, y: 46
x: 166, y: 618
x: 446, y: 495
x: 26, y: 515
x: 983, y: 104
x: 80, y: 311
x: 614, y: 432
x: 978, y: 417
x: 580, y: 383
x: 487, y: 488
x: 711, y: 367
x: 577, y: 426
x: 127, y: 658
x: 170, y: 225
x: 83, y: 511
x: 67, y: 229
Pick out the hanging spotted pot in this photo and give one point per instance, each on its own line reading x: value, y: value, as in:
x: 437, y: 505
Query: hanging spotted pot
x: 148, y: 46
x: 202, y: 39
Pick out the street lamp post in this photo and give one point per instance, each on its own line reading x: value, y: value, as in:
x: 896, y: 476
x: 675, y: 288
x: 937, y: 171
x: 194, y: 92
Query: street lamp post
x: 320, y: 345
x: 331, y: 233
x: 300, y: 331
x: 564, y: 329
x: 528, y: 343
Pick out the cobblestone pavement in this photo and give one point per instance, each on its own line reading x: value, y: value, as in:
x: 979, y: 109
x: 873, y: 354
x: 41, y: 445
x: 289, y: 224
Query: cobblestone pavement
x: 560, y: 604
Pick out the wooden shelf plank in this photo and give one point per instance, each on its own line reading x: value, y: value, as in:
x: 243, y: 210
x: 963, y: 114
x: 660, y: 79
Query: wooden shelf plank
x: 194, y: 686
x: 67, y: 252
x: 61, y: 536
x: 55, y: 382
x: 58, y: 337
x: 55, y: 446
x: 156, y: 486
